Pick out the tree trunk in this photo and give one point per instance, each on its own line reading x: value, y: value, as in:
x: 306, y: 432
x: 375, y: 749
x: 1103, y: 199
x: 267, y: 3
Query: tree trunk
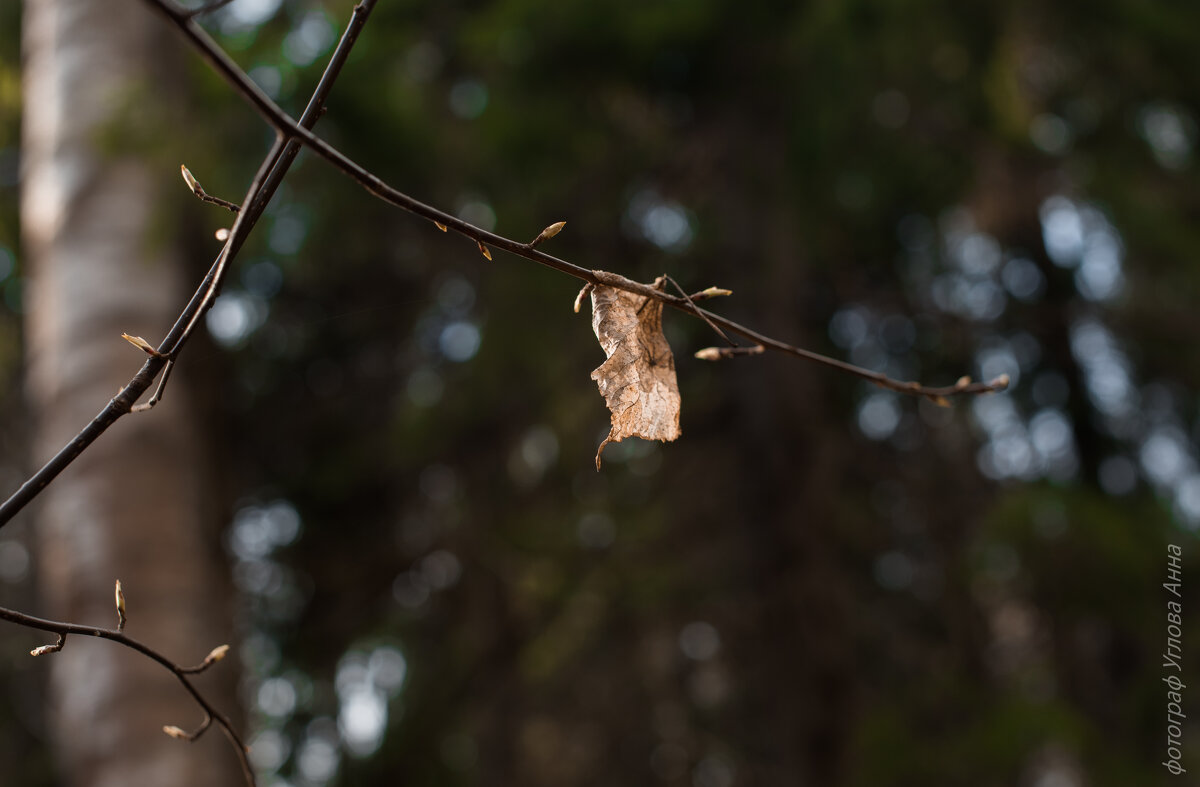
x: 134, y: 506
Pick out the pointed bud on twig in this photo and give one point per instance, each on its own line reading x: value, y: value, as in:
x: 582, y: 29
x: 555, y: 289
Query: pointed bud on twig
x: 143, y: 345
x: 440, y: 226
x: 199, y: 191
x: 190, y: 179
x: 120, y: 598
x: 583, y: 293
x: 940, y: 401
x: 962, y: 382
x: 175, y: 732
x: 1000, y: 383
x: 718, y: 353
x: 711, y: 292
x: 484, y: 250
x: 44, y: 649
x: 548, y: 233
x: 217, y: 654
x: 222, y: 234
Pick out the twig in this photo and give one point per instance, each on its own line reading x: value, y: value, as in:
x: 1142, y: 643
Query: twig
x: 204, y: 9
x: 271, y: 112
x: 700, y: 312
x: 158, y: 391
x: 275, y: 165
x: 204, y: 196
x: 710, y: 292
x: 547, y: 233
x: 211, y: 714
x: 720, y: 353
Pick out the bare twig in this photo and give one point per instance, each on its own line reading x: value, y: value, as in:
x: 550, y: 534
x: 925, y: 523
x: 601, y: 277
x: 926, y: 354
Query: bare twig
x: 208, y: 7
x: 211, y: 714
x: 700, y: 312
x: 291, y: 134
x: 275, y: 166
x: 158, y: 391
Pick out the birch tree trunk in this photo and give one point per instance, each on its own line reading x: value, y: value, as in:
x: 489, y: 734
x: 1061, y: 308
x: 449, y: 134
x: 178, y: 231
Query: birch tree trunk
x: 98, y: 246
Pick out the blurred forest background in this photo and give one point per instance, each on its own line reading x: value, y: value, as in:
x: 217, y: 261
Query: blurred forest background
x: 820, y: 583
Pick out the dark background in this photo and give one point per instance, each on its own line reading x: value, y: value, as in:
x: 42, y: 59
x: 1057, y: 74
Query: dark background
x: 821, y: 582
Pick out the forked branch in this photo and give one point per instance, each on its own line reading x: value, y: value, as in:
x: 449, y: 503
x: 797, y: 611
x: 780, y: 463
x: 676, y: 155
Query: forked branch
x: 288, y: 127
x: 290, y: 136
x: 270, y: 174
x: 211, y: 714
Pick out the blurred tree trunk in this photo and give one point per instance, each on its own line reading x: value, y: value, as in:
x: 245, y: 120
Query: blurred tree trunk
x: 98, y: 243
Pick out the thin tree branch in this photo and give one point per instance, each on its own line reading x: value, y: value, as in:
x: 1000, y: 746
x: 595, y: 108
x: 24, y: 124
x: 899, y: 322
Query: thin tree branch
x: 291, y: 134
x: 270, y: 111
x: 211, y: 714
x: 716, y: 329
x: 208, y: 7
x: 275, y: 165
x: 203, y: 195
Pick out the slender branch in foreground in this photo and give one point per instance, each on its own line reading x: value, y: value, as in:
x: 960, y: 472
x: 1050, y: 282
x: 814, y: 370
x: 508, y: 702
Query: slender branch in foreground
x: 262, y: 188
x: 284, y: 124
x: 208, y: 7
x: 211, y: 714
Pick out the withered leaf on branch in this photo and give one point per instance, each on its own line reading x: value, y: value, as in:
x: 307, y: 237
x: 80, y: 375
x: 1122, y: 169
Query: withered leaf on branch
x: 638, y: 379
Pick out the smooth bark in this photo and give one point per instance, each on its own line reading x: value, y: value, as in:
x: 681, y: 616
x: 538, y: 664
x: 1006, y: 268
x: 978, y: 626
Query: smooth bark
x: 98, y: 240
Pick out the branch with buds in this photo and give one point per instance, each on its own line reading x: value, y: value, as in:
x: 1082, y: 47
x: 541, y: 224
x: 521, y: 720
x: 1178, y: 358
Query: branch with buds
x: 297, y: 132
x: 117, y: 635
x: 161, y: 359
x: 291, y: 135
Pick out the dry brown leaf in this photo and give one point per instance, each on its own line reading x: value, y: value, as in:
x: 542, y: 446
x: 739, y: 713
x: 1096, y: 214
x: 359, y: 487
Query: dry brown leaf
x: 638, y: 379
